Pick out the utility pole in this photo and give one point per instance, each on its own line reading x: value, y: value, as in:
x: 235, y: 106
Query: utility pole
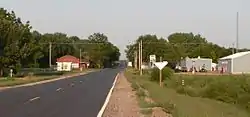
x: 80, y: 55
x: 233, y: 49
x: 80, y: 59
x: 237, y: 32
x: 135, y: 60
x: 50, y: 49
x: 141, y: 58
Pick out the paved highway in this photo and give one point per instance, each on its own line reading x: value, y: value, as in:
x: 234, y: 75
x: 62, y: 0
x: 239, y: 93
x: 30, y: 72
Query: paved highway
x: 81, y: 96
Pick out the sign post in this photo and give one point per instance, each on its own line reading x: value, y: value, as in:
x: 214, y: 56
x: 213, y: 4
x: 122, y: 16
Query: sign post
x: 11, y: 73
x: 160, y: 66
x: 152, y: 59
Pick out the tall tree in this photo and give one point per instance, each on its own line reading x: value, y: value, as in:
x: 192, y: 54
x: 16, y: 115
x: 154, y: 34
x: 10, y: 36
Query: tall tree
x: 15, y: 40
x: 19, y: 47
x: 177, y: 46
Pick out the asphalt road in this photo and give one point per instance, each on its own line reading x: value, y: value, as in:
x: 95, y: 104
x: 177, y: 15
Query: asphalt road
x: 81, y: 96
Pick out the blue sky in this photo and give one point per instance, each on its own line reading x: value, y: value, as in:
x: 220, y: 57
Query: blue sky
x: 124, y: 20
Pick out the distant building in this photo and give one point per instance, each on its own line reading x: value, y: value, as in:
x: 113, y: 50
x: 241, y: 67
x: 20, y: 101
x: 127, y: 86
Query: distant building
x: 130, y: 64
x: 67, y: 63
x: 197, y: 63
x: 235, y: 63
x: 214, y: 67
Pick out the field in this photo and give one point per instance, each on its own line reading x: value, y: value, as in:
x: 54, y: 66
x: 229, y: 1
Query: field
x: 179, y: 103
x: 7, y: 81
x: 18, y: 81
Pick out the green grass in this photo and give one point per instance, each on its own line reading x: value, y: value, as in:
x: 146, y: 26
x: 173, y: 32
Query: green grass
x: 146, y: 107
x: 19, y: 81
x: 183, y: 105
x: 146, y: 111
x: 233, y: 89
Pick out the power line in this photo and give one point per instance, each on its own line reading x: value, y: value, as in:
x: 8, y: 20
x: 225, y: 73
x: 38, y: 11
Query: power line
x: 167, y: 43
x: 55, y: 43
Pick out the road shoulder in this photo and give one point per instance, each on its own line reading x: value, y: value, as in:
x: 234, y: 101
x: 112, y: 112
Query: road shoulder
x: 123, y: 101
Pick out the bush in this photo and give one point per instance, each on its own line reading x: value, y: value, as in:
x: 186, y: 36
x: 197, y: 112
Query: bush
x: 134, y: 86
x: 140, y: 93
x: 229, y: 89
x: 166, y: 74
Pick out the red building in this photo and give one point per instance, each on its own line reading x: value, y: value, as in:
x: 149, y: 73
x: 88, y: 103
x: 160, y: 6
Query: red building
x: 70, y: 61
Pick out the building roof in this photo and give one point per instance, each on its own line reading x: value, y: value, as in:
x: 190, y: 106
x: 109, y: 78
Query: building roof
x: 236, y: 55
x: 68, y: 58
x: 198, y: 58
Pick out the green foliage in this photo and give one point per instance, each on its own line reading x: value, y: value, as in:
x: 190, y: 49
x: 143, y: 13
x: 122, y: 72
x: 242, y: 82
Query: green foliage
x: 166, y: 74
x: 226, y: 88
x: 185, y: 105
x: 178, y: 45
x: 103, y: 53
x: 21, y: 48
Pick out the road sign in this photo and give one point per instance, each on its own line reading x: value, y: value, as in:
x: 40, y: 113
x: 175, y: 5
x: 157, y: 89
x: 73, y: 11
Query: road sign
x: 152, y: 58
x: 161, y: 65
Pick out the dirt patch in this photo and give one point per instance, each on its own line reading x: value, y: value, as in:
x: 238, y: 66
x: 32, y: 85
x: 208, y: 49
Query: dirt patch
x: 123, y: 101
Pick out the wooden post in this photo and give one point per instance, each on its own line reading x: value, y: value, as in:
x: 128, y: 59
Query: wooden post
x: 135, y: 60
x: 141, y: 58
x: 50, y: 49
x: 160, y: 73
x: 80, y: 65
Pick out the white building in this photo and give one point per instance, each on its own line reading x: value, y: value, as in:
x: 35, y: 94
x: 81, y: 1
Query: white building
x: 197, y: 63
x: 64, y: 66
x: 236, y: 63
x: 67, y: 63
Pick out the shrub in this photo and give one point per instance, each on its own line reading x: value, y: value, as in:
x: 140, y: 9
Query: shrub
x: 140, y: 93
x: 227, y: 88
x: 188, y: 90
x: 166, y: 74
x: 134, y: 86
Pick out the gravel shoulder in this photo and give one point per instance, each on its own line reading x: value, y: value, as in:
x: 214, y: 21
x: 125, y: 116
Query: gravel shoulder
x: 123, y: 101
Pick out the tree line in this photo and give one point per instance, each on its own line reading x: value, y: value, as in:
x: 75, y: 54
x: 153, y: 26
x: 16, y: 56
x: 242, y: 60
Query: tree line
x: 20, y: 47
x: 177, y: 46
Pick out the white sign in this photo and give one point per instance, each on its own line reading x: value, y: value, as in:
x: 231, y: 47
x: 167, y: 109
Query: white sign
x: 161, y: 65
x: 152, y: 58
x: 130, y: 64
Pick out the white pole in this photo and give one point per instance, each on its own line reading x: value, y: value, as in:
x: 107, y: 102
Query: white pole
x: 237, y: 32
x: 160, y: 79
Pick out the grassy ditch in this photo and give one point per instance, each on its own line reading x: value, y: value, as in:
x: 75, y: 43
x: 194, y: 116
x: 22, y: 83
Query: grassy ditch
x: 232, y: 89
x: 18, y: 81
x: 180, y: 105
x: 143, y: 96
x: 4, y: 82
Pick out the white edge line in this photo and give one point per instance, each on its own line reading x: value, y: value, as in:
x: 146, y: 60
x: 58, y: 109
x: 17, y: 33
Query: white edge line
x: 107, y: 98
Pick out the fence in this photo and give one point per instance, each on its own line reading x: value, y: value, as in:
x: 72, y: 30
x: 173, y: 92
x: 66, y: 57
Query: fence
x: 37, y: 71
